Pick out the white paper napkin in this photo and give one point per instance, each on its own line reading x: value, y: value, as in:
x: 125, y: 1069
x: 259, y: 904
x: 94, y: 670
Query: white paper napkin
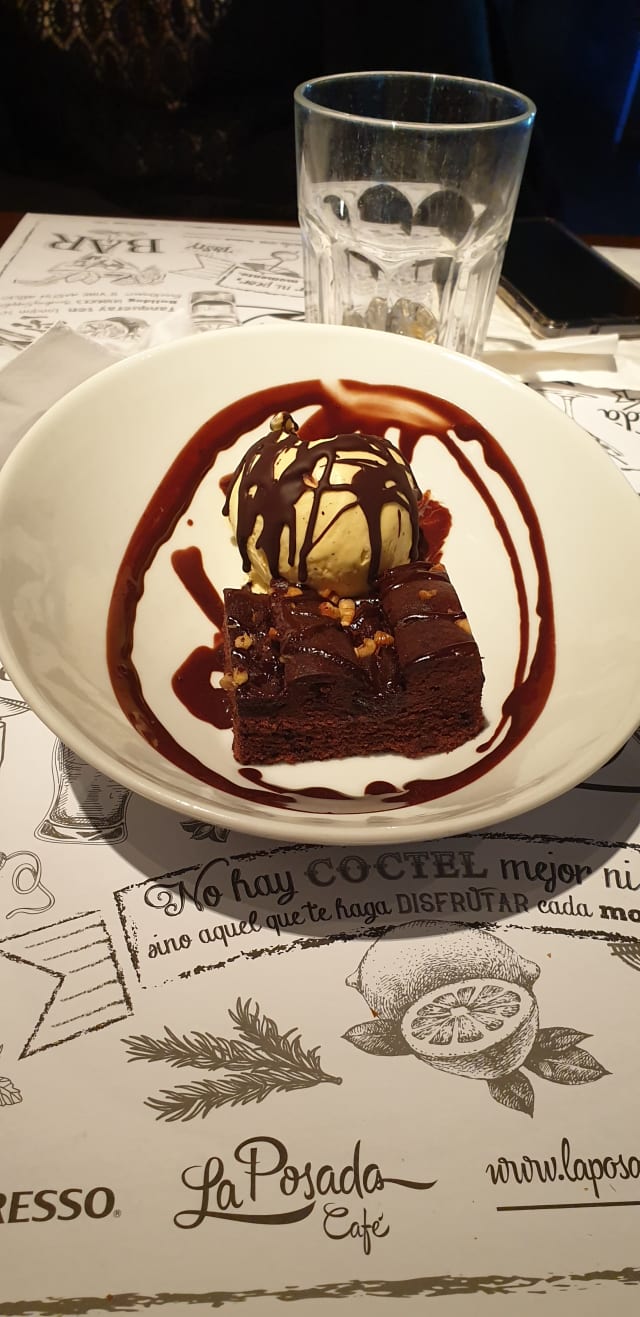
x: 595, y: 361
x: 61, y: 359
x: 42, y: 374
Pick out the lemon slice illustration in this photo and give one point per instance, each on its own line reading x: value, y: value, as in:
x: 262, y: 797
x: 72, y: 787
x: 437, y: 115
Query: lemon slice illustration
x: 417, y: 957
x: 480, y: 1028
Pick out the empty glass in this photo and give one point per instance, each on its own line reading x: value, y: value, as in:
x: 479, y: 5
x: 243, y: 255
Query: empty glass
x: 407, y: 184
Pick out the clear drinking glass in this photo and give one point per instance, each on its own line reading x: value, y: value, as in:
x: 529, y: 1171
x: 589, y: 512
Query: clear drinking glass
x: 407, y: 184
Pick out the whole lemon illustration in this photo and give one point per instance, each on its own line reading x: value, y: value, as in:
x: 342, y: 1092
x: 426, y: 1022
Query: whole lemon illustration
x: 479, y: 1028
x: 423, y: 955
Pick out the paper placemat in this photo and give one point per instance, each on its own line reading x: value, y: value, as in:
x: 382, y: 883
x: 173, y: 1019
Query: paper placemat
x: 216, y: 1088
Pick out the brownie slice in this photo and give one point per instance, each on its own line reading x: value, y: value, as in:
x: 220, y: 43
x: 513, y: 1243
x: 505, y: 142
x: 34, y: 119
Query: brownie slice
x: 396, y: 672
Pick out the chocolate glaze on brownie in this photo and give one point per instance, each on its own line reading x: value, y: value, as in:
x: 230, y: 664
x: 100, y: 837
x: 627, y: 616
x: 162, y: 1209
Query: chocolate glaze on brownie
x: 404, y: 676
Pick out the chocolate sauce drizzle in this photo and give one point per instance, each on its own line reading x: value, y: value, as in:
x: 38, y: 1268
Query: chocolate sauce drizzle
x: 371, y: 482
x: 340, y: 409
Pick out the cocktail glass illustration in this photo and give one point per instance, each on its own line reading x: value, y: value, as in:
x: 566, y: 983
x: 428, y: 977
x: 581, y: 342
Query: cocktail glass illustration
x: 86, y: 806
x: 9, y: 707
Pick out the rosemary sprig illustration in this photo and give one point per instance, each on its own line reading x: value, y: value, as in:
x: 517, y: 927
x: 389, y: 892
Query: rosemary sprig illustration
x: 263, y: 1034
x: 262, y: 1061
x: 202, y: 1050
x: 203, y: 1096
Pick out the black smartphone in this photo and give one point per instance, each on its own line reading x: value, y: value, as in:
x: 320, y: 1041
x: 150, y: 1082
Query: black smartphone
x: 560, y: 285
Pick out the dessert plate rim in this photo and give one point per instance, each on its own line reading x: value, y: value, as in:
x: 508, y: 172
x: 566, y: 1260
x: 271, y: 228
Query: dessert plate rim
x: 536, y: 779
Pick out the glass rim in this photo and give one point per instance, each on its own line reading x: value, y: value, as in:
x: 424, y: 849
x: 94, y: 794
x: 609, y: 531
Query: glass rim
x: 527, y: 113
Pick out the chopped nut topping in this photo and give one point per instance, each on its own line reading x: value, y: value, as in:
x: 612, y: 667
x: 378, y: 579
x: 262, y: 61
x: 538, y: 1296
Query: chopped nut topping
x: 272, y: 633
x: 347, y: 611
x: 293, y: 590
x: 310, y: 481
x: 327, y: 609
x: 283, y: 421
x: 366, y: 649
x: 426, y: 594
x: 464, y: 624
x: 382, y: 638
x: 236, y: 677
x: 243, y: 641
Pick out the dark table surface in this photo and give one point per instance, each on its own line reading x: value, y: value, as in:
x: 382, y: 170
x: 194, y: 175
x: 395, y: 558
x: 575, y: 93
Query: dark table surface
x: 8, y: 221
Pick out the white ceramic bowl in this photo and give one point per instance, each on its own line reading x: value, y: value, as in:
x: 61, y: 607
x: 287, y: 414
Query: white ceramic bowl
x: 72, y: 494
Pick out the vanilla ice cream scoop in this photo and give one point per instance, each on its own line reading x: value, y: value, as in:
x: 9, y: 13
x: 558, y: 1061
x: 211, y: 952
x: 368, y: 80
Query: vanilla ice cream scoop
x: 331, y: 513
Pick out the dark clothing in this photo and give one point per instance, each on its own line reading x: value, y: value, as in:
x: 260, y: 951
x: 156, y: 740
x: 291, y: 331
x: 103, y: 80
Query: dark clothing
x: 184, y: 107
